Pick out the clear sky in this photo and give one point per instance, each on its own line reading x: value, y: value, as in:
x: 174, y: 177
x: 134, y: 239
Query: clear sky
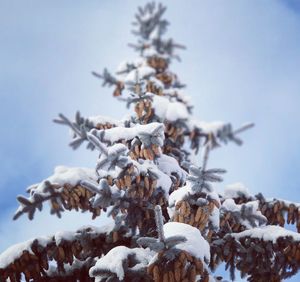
x: 242, y: 64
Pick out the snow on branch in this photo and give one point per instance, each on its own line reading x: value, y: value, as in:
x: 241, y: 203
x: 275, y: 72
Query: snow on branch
x: 149, y: 134
x: 151, y: 76
x: 276, y: 211
x: 280, y: 212
x: 168, y: 109
x: 62, y: 190
x: 241, y: 216
x: 141, y: 182
x: 215, y: 133
x: 184, y: 256
x: 79, y: 268
x: 122, y: 264
x: 81, y: 126
x: 196, y: 203
x: 161, y: 243
x: 268, y: 233
x: 201, y: 179
x: 180, y: 248
x: 144, y: 141
x: 236, y: 191
x: 268, y: 253
x: 105, y: 195
x: 113, y: 158
x: 32, y: 258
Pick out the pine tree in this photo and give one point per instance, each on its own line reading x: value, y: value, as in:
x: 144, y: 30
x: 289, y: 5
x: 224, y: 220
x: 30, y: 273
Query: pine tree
x: 153, y: 180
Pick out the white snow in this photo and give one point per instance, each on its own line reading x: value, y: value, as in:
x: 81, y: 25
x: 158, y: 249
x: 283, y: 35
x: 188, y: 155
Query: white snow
x: 113, y: 260
x: 151, y: 51
x: 103, y: 120
x: 180, y: 194
x: 214, y: 196
x: 135, y: 62
x: 158, y: 83
x: 236, y: 190
x: 122, y: 133
x: 112, y: 153
x: 170, y: 165
x: 143, y: 167
x: 207, y: 127
x: 174, y: 92
x: 15, y: 251
x: 267, y: 233
x: 114, y: 173
x: 169, y: 110
x: 122, y: 67
x: 155, y: 33
x: 214, y: 218
x: 184, y: 191
x: 91, y: 230
x: 195, y: 244
x: 231, y: 206
x: 64, y: 236
x: 164, y: 181
x: 69, y: 269
x: 64, y: 175
x: 285, y: 202
x: 70, y: 175
x: 141, y: 72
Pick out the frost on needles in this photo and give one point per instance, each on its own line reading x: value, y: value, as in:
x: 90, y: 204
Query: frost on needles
x: 153, y: 179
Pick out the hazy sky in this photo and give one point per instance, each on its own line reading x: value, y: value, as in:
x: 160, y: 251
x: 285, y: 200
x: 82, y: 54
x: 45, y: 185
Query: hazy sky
x: 241, y: 64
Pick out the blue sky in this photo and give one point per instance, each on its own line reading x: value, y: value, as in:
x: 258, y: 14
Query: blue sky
x: 241, y: 64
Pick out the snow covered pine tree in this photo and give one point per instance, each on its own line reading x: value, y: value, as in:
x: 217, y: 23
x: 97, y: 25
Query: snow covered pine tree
x: 168, y: 222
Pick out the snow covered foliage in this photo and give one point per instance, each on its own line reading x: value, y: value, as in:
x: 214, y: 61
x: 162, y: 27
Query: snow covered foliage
x: 120, y: 263
x: 169, y: 223
x: 62, y: 190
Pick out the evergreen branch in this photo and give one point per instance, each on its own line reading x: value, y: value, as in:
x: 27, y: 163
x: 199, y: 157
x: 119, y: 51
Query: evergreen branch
x: 271, y: 257
x: 61, y: 197
x: 200, y: 179
x: 107, y: 78
x: 277, y: 211
x: 159, y: 223
x: 96, y: 142
x: 105, y: 197
x: 240, y: 217
x: 161, y: 243
x: 213, y: 138
x: 205, y: 157
x: 80, y: 127
x: 32, y: 259
x: 243, y: 128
